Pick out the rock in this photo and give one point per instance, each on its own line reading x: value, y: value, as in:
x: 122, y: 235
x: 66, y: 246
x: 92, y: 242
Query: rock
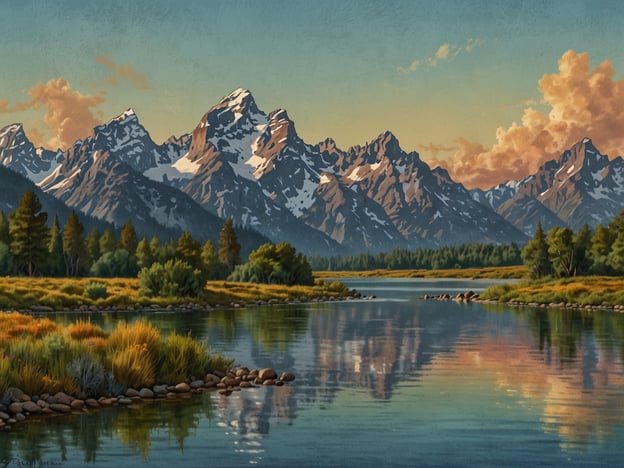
x: 43, y: 404
x: 279, y: 383
x: 268, y: 382
x: 182, y: 387
x: 131, y: 392
x: 15, y: 393
x: 62, y: 398
x: 146, y: 393
x: 124, y: 401
x: 195, y: 384
x: 4, y: 416
x: 20, y: 417
x: 287, y: 377
x: 15, y: 408
x: 160, y: 389
x: 211, y: 380
x: 31, y: 407
x: 267, y: 373
x: 77, y: 404
x: 241, y: 372
x: 107, y: 401
x: 60, y: 408
x: 92, y: 403
x: 231, y: 381
x: 171, y: 395
x: 246, y: 384
x: 225, y: 391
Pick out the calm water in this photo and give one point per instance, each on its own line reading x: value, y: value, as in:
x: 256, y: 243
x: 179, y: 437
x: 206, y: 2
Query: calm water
x: 391, y: 382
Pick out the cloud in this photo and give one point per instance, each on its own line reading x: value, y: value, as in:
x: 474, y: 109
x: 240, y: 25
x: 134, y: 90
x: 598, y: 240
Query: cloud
x: 445, y: 52
x: 123, y: 71
x: 433, y: 149
x: 582, y: 103
x: 68, y: 113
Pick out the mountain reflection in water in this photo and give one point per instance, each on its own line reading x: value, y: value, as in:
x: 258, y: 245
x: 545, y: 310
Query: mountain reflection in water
x: 372, y: 376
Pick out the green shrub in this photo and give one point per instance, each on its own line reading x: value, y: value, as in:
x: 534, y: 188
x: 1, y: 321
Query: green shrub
x: 72, y: 289
x: 173, y: 279
x: 96, y: 290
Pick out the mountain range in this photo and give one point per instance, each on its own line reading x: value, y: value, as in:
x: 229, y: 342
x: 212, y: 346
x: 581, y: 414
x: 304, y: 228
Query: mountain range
x: 242, y: 163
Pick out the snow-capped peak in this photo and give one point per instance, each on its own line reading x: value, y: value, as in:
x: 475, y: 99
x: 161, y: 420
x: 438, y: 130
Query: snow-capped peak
x: 125, y: 115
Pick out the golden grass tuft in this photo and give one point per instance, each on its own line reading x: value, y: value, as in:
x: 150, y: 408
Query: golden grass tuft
x: 84, y: 329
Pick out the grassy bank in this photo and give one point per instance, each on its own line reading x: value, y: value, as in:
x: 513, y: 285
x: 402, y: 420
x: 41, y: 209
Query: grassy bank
x: 587, y: 290
x: 40, y: 356
x: 512, y: 272
x: 71, y: 293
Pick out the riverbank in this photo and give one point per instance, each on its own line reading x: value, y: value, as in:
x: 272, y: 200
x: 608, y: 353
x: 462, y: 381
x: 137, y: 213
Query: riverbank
x: 17, y: 406
x: 75, y: 294
x: 588, y: 292
x: 509, y: 272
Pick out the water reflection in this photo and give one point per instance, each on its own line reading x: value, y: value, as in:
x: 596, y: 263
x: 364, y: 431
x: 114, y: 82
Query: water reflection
x: 558, y: 373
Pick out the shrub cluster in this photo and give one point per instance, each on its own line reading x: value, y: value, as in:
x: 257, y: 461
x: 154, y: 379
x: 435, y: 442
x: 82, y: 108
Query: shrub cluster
x: 175, y: 278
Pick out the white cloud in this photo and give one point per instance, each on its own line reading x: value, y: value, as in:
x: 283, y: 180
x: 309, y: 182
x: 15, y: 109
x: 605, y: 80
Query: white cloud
x: 444, y: 53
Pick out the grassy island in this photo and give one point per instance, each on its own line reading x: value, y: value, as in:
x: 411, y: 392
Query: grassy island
x: 74, y: 293
x: 507, y: 272
x: 584, y: 290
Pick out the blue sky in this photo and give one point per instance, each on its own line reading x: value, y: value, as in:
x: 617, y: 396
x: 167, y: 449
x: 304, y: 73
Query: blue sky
x: 432, y: 72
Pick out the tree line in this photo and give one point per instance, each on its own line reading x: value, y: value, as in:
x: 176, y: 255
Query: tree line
x: 462, y: 256
x: 28, y: 246
x: 561, y: 252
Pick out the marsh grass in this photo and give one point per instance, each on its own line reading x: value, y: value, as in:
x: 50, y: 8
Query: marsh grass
x: 510, y: 272
x: 38, y: 355
x: 587, y: 290
x: 60, y: 293
x: 180, y: 357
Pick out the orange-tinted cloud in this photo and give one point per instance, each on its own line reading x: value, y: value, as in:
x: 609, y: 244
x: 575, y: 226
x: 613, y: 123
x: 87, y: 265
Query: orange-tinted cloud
x: 19, y: 107
x: 583, y: 103
x: 68, y: 113
x: 123, y: 71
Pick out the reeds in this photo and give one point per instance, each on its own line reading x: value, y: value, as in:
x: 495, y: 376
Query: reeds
x: 39, y: 356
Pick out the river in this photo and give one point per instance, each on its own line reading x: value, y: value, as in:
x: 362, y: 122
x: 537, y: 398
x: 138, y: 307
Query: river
x: 394, y: 381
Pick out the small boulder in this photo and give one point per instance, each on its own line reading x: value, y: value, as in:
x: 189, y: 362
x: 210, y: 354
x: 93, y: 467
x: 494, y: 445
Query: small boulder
x: 146, y: 393
x: 131, y: 392
x: 31, y: 407
x: 267, y: 373
x: 60, y: 408
x: 77, y: 404
x: 287, y: 377
x: 182, y: 387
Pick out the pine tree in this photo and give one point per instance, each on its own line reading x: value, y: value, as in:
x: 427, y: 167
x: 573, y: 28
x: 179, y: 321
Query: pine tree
x: 582, y: 250
x: 73, y: 244
x: 210, y: 260
x: 56, y: 264
x: 108, y: 242
x: 144, y: 255
x: 4, y: 229
x: 128, y: 238
x: 229, y: 248
x: 92, y: 248
x: 535, y: 254
x: 29, y: 234
x: 189, y: 250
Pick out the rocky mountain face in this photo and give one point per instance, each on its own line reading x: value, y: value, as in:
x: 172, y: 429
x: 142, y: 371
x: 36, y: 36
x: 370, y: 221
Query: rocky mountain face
x: 252, y: 167
x: 581, y: 187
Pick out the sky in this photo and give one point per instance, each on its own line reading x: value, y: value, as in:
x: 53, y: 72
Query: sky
x: 488, y: 90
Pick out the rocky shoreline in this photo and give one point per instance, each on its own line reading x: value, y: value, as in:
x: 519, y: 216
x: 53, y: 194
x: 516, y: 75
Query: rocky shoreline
x: 18, y: 406
x: 471, y: 296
